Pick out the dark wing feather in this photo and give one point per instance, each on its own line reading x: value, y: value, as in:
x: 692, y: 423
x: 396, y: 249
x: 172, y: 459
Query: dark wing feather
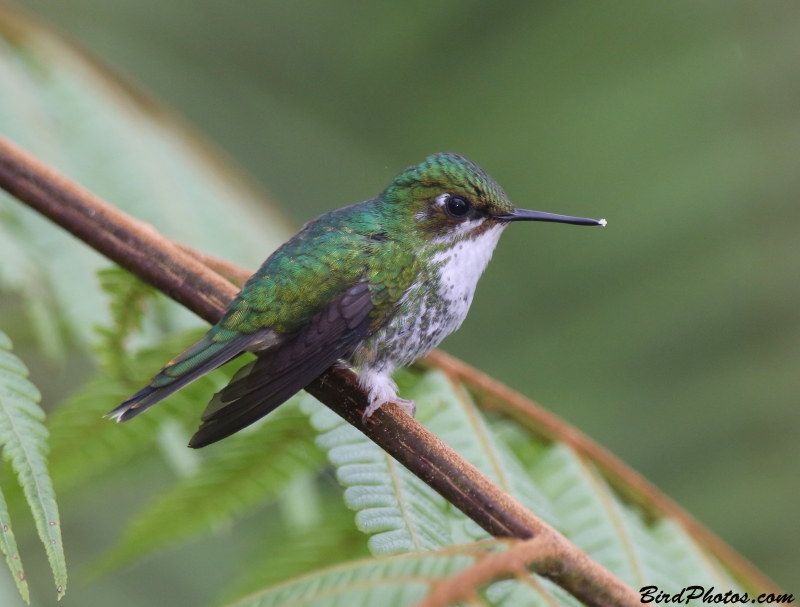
x: 282, y: 370
x: 201, y: 358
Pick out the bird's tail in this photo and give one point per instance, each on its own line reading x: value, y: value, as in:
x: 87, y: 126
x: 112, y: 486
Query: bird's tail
x: 215, y: 349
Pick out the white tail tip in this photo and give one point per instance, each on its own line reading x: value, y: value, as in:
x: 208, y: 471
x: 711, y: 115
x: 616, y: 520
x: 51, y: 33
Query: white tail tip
x: 602, y: 222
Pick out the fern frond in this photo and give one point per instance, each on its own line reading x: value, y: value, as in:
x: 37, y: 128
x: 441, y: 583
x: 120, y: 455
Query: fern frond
x: 246, y: 470
x: 84, y: 443
x: 23, y: 438
x: 400, y: 512
x: 615, y: 534
x: 127, y: 298
x: 400, y: 580
x: 149, y: 168
x: 447, y: 410
x: 691, y: 560
x: 289, y: 553
x: 530, y: 591
x: 19, y: 274
x: 8, y: 545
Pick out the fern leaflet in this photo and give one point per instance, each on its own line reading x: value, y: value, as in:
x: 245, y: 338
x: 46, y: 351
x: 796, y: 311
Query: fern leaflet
x: 243, y: 472
x: 23, y: 438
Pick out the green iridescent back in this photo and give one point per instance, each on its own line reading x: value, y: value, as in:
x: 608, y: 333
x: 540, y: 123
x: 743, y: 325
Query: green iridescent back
x: 321, y: 262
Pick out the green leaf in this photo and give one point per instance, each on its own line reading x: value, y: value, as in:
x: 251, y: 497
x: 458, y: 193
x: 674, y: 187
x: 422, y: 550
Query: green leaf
x: 84, y: 443
x: 128, y: 296
x: 81, y: 120
x: 691, y: 561
x: 23, y: 438
x: 400, y: 512
x: 547, y: 478
x: 9, y: 547
x: 19, y: 274
x: 616, y: 534
x: 396, y: 580
x: 447, y: 410
x: 405, y: 580
x: 243, y: 472
x: 293, y: 551
x: 535, y: 590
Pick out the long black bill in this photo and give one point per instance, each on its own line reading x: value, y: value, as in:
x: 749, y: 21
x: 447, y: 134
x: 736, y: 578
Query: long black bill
x: 523, y: 215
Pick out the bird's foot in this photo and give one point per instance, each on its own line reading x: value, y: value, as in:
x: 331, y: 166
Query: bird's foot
x: 409, y: 406
x: 382, y: 390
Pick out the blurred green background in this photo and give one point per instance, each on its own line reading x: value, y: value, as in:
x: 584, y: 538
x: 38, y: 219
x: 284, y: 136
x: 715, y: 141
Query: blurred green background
x: 672, y: 337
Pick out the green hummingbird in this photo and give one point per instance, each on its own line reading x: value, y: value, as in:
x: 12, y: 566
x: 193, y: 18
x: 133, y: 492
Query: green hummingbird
x: 372, y: 286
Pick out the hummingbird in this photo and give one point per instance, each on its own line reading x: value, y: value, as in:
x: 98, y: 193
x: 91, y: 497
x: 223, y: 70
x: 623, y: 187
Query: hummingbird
x: 371, y: 286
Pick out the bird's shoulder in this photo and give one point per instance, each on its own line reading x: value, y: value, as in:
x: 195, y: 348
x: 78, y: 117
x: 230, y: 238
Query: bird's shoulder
x: 328, y: 256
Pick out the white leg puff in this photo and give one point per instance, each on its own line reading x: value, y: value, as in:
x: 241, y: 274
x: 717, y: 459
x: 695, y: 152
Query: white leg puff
x: 382, y: 390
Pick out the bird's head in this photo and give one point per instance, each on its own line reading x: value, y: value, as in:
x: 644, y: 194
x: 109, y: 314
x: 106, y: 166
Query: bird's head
x: 447, y: 198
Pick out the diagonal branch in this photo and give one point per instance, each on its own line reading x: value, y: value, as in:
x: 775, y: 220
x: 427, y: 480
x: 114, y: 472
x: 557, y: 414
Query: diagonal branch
x: 493, y: 395
x: 132, y: 244
x: 539, y: 554
x: 184, y: 277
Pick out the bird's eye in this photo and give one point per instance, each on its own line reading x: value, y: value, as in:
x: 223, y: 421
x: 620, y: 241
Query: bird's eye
x: 457, y: 206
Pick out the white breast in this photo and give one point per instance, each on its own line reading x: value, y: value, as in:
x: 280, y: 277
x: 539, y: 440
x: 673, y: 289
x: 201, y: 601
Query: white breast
x: 461, y: 267
x: 431, y: 309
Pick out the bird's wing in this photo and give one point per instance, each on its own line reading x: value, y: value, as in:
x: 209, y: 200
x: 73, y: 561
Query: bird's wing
x: 288, y: 366
x: 213, y: 350
x: 316, y: 266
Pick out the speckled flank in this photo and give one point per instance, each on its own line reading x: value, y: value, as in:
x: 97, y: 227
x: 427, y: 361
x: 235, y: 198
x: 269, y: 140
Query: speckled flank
x: 434, y: 306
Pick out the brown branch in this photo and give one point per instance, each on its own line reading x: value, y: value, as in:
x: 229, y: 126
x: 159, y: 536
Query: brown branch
x: 141, y: 250
x: 231, y: 271
x: 538, y: 554
x: 543, y: 555
x: 494, y: 395
x: 133, y: 244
